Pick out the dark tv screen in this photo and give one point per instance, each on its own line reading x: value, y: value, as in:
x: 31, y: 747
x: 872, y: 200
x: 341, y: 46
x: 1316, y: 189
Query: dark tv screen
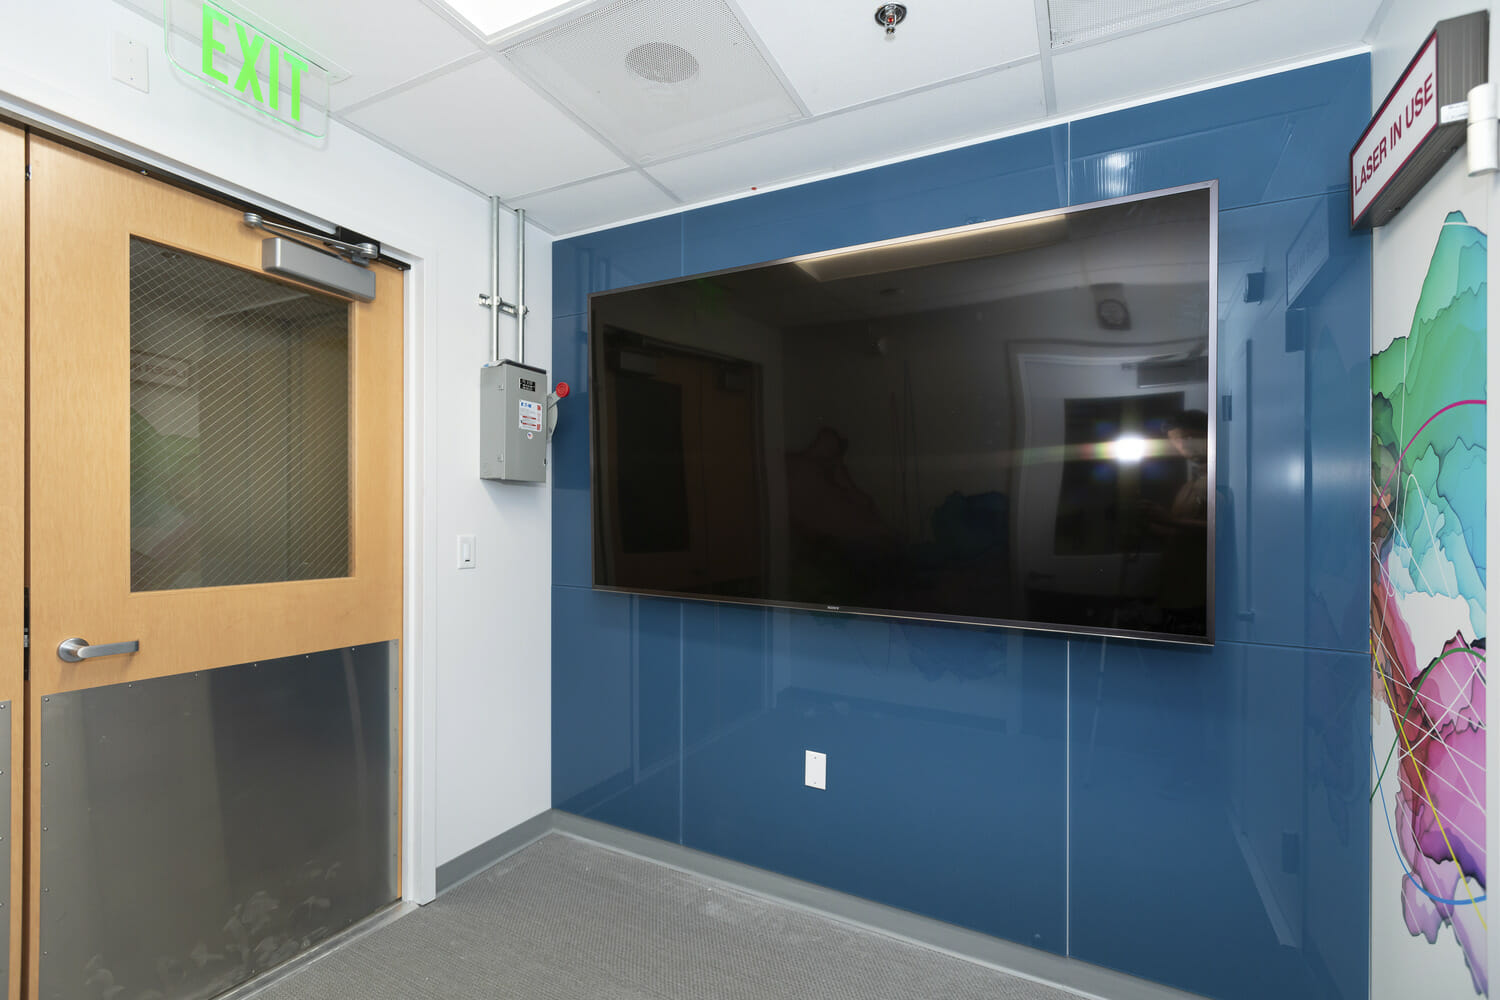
x: 1004, y: 424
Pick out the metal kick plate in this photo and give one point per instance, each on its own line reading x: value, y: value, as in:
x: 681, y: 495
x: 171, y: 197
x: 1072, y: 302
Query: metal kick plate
x: 198, y: 830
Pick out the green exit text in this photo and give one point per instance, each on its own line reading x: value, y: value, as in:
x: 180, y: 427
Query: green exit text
x: 256, y: 52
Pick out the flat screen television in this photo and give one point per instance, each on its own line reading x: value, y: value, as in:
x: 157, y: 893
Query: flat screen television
x: 1009, y: 423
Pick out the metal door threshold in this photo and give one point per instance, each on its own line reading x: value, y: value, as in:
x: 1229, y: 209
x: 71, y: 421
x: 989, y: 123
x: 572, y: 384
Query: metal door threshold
x: 292, y: 966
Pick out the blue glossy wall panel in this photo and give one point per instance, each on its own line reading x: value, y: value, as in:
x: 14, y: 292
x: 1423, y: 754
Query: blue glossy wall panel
x: 592, y: 689
x: 1328, y: 314
x: 614, y: 258
x: 616, y: 694
x: 945, y: 759
x: 572, y: 536
x: 992, y: 180
x: 1293, y: 429
x: 1275, y: 137
x: 1217, y: 798
x: 726, y: 670
x: 1217, y: 839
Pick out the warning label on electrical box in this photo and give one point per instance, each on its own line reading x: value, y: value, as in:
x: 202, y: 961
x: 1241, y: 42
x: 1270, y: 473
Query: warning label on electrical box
x: 531, y: 415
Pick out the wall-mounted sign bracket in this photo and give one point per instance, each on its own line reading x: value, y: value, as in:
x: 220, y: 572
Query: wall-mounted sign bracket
x: 1421, y: 123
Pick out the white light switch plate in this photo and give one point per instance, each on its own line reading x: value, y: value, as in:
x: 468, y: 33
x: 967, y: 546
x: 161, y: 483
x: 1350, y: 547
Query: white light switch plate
x: 466, y: 553
x: 129, y: 62
x: 816, y: 770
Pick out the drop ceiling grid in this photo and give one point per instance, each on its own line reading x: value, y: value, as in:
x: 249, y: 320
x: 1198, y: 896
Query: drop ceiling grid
x: 1223, y: 43
x: 1001, y: 108
x: 511, y: 138
x: 878, y: 130
x: 511, y: 142
x: 836, y: 56
x: 439, y: 158
x: 379, y: 43
x: 1049, y: 121
x: 595, y: 202
x: 727, y: 87
x: 1074, y: 21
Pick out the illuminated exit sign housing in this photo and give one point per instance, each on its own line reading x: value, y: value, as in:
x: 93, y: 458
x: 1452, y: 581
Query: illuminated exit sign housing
x: 1421, y: 122
x: 225, y: 49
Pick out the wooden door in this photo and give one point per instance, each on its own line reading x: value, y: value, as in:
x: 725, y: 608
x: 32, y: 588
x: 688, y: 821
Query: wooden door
x: 216, y: 474
x: 12, y: 540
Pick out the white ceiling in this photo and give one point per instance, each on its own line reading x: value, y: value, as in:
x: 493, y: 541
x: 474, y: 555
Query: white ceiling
x: 423, y: 81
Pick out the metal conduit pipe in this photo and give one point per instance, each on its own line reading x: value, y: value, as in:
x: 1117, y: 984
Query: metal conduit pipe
x: 496, y: 304
x: 494, y: 281
x: 520, y: 284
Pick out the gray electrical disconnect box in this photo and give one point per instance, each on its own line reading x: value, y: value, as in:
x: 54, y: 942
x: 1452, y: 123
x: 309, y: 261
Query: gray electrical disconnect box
x: 513, y: 423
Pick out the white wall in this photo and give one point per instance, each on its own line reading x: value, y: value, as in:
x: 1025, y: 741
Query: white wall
x: 479, y: 641
x: 1404, y: 965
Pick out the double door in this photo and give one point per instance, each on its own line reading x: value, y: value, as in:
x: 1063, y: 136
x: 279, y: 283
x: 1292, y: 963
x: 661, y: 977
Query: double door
x: 200, y: 512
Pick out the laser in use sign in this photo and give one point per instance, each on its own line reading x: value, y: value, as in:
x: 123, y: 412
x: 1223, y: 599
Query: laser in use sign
x: 1409, y: 116
x: 1421, y: 123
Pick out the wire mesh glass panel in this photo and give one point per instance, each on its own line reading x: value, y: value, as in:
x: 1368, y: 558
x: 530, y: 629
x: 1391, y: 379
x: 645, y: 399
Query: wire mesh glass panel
x: 239, y: 425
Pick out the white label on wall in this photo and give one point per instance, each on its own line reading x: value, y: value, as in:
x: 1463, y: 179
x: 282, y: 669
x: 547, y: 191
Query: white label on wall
x: 1408, y: 116
x: 531, y: 415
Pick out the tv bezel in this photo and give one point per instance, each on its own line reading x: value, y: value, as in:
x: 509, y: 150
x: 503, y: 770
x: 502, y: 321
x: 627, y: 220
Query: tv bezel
x: 1211, y: 186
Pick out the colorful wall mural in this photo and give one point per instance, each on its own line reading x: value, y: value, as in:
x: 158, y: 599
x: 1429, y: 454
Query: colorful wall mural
x: 1428, y: 636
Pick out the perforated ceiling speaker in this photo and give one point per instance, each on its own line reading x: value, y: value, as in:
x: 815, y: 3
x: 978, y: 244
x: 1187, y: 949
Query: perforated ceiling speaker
x: 1076, y: 21
x: 657, y: 77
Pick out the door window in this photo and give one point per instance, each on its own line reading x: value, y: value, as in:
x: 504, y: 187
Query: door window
x: 239, y: 425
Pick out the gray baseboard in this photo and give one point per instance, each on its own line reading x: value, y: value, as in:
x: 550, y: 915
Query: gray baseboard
x: 1018, y: 960
x: 476, y: 860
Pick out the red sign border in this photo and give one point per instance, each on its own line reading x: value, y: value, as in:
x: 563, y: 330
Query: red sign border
x: 1354, y: 221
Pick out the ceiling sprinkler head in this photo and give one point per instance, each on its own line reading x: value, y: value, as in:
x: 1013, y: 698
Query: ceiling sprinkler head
x: 888, y: 15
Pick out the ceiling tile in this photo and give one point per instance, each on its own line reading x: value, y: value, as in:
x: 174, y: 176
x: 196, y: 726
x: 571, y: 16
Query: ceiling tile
x: 1075, y: 21
x: 835, y: 55
x: 484, y: 126
x: 596, y: 202
x: 950, y: 113
x: 1201, y: 49
x: 658, y: 77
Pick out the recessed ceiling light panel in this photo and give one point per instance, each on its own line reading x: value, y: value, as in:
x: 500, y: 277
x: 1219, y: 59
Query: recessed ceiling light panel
x: 495, y: 17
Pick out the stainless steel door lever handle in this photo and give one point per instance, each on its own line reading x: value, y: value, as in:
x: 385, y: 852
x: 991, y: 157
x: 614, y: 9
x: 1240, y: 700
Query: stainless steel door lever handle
x: 77, y: 650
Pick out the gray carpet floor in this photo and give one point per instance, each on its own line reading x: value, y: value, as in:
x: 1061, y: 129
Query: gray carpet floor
x: 566, y: 919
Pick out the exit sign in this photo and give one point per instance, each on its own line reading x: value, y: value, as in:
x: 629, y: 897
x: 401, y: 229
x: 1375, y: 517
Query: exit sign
x: 224, y: 49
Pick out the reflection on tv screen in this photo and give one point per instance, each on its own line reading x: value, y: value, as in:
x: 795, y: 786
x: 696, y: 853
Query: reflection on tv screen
x: 1003, y: 424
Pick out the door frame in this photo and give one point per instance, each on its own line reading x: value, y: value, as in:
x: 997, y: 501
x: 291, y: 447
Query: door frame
x: 417, y: 765
x: 14, y: 392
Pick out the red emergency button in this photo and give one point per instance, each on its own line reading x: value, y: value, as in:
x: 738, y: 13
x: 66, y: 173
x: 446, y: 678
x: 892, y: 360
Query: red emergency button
x: 562, y: 390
